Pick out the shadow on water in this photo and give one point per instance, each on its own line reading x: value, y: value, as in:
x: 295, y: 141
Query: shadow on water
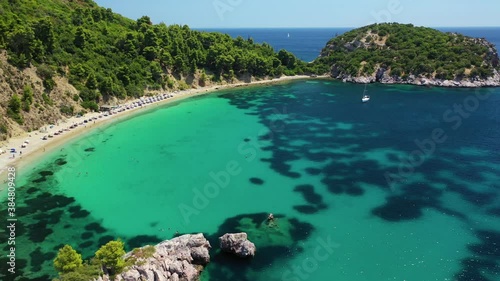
x: 485, y: 258
x: 273, y: 240
x: 256, y: 181
x: 142, y: 240
x: 52, y: 219
x: 314, y: 200
x: 338, y: 134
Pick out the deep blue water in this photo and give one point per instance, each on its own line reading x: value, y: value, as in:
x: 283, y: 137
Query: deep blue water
x: 306, y: 43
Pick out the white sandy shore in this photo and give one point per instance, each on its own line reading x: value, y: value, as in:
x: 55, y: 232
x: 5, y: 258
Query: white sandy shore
x: 37, y: 147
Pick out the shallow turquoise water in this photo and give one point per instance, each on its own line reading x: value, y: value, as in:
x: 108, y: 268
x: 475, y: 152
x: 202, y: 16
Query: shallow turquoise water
x: 307, y: 151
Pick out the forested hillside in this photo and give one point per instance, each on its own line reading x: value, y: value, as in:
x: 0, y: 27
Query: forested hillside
x: 104, y: 55
x: 402, y: 50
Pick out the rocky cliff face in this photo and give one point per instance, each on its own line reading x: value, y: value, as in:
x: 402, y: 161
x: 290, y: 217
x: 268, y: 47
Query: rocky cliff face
x: 492, y: 53
x: 383, y: 76
x: 179, y: 259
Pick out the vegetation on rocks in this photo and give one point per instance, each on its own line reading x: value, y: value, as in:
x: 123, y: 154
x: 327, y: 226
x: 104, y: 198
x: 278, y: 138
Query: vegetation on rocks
x: 14, y: 109
x: 404, y: 50
x: 67, y: 260
x: 110, y: 259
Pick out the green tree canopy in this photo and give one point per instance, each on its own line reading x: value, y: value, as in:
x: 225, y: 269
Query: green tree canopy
x: 404, y: 49
x: 67, y: 260
x: 44, y: 31
x: 104, y: 54
x: 111, y: 256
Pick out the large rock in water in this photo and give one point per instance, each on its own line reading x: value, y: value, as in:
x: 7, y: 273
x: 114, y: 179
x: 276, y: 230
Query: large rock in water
x: 237, y: 244
x: 179, y: 259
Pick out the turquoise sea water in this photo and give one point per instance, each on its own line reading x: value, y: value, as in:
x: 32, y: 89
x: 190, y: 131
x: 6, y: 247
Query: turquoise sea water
x: 308, y: 151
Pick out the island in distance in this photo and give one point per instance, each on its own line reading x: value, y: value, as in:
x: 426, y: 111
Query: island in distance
x: 395, y: 53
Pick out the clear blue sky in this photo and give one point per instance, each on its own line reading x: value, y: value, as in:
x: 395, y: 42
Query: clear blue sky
x: 313, y: 13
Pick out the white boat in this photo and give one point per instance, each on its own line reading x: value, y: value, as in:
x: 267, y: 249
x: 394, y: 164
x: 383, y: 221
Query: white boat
x: 365, y: 97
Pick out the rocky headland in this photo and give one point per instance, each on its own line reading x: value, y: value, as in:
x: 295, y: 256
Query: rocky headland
x: 180, y: 259
x: 404, y: 54
x: 383, y: 76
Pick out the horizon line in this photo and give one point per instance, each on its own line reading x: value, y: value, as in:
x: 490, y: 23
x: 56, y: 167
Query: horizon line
x: 325, y: 27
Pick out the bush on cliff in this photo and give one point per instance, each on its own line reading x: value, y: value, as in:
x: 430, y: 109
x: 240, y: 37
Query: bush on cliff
x: 111, y: 257
x: 67, y: 260
x: 108, y: 259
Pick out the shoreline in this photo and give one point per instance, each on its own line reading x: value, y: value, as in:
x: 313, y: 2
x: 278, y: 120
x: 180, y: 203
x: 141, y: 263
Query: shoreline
x: 37, y: 147
x: 384, y: 78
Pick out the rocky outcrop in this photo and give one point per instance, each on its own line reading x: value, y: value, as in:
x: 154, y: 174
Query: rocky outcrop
x: 237, y: 244
x: 376, y: 53
x: 383, y: 77
x: 179, y: 259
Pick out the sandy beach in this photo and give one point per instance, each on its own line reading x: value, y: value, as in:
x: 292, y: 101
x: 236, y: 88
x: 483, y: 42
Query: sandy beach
x: 31, y: 146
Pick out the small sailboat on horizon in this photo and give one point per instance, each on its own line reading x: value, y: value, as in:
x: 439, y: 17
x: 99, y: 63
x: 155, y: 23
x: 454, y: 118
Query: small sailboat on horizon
x: 365, y: 97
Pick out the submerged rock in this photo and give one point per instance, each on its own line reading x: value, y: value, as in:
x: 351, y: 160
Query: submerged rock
x: 237, y: 244
x: 182, y: 259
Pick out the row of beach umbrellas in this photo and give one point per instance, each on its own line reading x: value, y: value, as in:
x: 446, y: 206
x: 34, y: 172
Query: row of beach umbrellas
x: 13, y: 150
